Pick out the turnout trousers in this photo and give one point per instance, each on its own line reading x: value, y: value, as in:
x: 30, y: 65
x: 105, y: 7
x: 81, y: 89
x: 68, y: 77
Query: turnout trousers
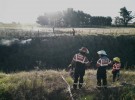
x: 115, y: 75
x: 101, y: 76
x: 78, y: 76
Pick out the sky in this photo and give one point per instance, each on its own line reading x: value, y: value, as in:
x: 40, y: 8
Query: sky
x: 27, y: 11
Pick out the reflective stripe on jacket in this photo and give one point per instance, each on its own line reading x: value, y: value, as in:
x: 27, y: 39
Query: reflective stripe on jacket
x: 116, y: 66
x: 80, y: 58
x: 104, y: 61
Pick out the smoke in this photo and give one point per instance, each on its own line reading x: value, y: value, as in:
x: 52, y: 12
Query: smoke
x: 9, y: 42
x: 26, y: 41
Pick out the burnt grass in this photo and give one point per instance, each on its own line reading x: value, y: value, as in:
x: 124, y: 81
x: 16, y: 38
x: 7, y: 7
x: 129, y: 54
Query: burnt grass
x: 56, y: 52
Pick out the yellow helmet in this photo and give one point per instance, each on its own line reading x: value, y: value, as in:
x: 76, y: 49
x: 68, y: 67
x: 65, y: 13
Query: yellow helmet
x: 117, y: 59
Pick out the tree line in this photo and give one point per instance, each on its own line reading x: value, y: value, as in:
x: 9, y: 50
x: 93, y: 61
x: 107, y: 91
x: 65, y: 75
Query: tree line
x: 72, y: 18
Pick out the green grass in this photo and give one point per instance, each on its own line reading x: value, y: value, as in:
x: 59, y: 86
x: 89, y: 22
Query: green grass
x: 48, y: 85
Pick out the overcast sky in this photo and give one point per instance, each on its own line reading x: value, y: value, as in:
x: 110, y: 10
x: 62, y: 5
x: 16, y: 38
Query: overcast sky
x: 27, y: 11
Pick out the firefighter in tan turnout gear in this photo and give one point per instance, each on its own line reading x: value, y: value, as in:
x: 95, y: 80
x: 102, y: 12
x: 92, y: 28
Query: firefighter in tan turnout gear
x: 102, y: 63
x: 116, y: 68
x: 80, y: 62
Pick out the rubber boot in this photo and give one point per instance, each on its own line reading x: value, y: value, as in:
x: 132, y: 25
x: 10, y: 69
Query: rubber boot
x: 75, y: 86
x: 80, y: 85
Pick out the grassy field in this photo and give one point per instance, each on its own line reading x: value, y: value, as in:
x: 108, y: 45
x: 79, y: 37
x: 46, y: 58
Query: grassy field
x: 49, y: 85
x: 32, y: 46
x: 36, y: 31
x: 23, y: 48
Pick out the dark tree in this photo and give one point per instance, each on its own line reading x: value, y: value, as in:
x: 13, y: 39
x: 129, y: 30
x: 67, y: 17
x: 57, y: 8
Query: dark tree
x: 118, y: 21
x: 126, y: 15
x: 43, y: 20
x: 100, y: 21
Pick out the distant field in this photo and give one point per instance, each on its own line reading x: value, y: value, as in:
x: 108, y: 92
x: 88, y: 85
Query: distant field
x: 112, y: 31
x: 34, y: 31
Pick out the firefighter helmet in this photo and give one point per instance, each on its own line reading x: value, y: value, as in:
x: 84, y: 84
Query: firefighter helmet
x: 101, y: 52
x: 84, y: 49
x: 117, y: 59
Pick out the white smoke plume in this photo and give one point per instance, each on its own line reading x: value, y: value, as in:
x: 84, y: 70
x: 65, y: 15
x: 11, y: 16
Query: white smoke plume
x: 9, y: 42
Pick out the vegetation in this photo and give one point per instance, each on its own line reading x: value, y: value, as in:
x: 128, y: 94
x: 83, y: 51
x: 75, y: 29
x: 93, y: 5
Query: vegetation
x: 49, y: 85
x: 125, y: 18
x: 71, y: 18
x: 25, y: 51
x: 126, y: 15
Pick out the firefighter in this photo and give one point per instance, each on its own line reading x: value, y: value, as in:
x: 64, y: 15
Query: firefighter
x: 116, y: 68
x: 102, y: 64
x: 80, y: 62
